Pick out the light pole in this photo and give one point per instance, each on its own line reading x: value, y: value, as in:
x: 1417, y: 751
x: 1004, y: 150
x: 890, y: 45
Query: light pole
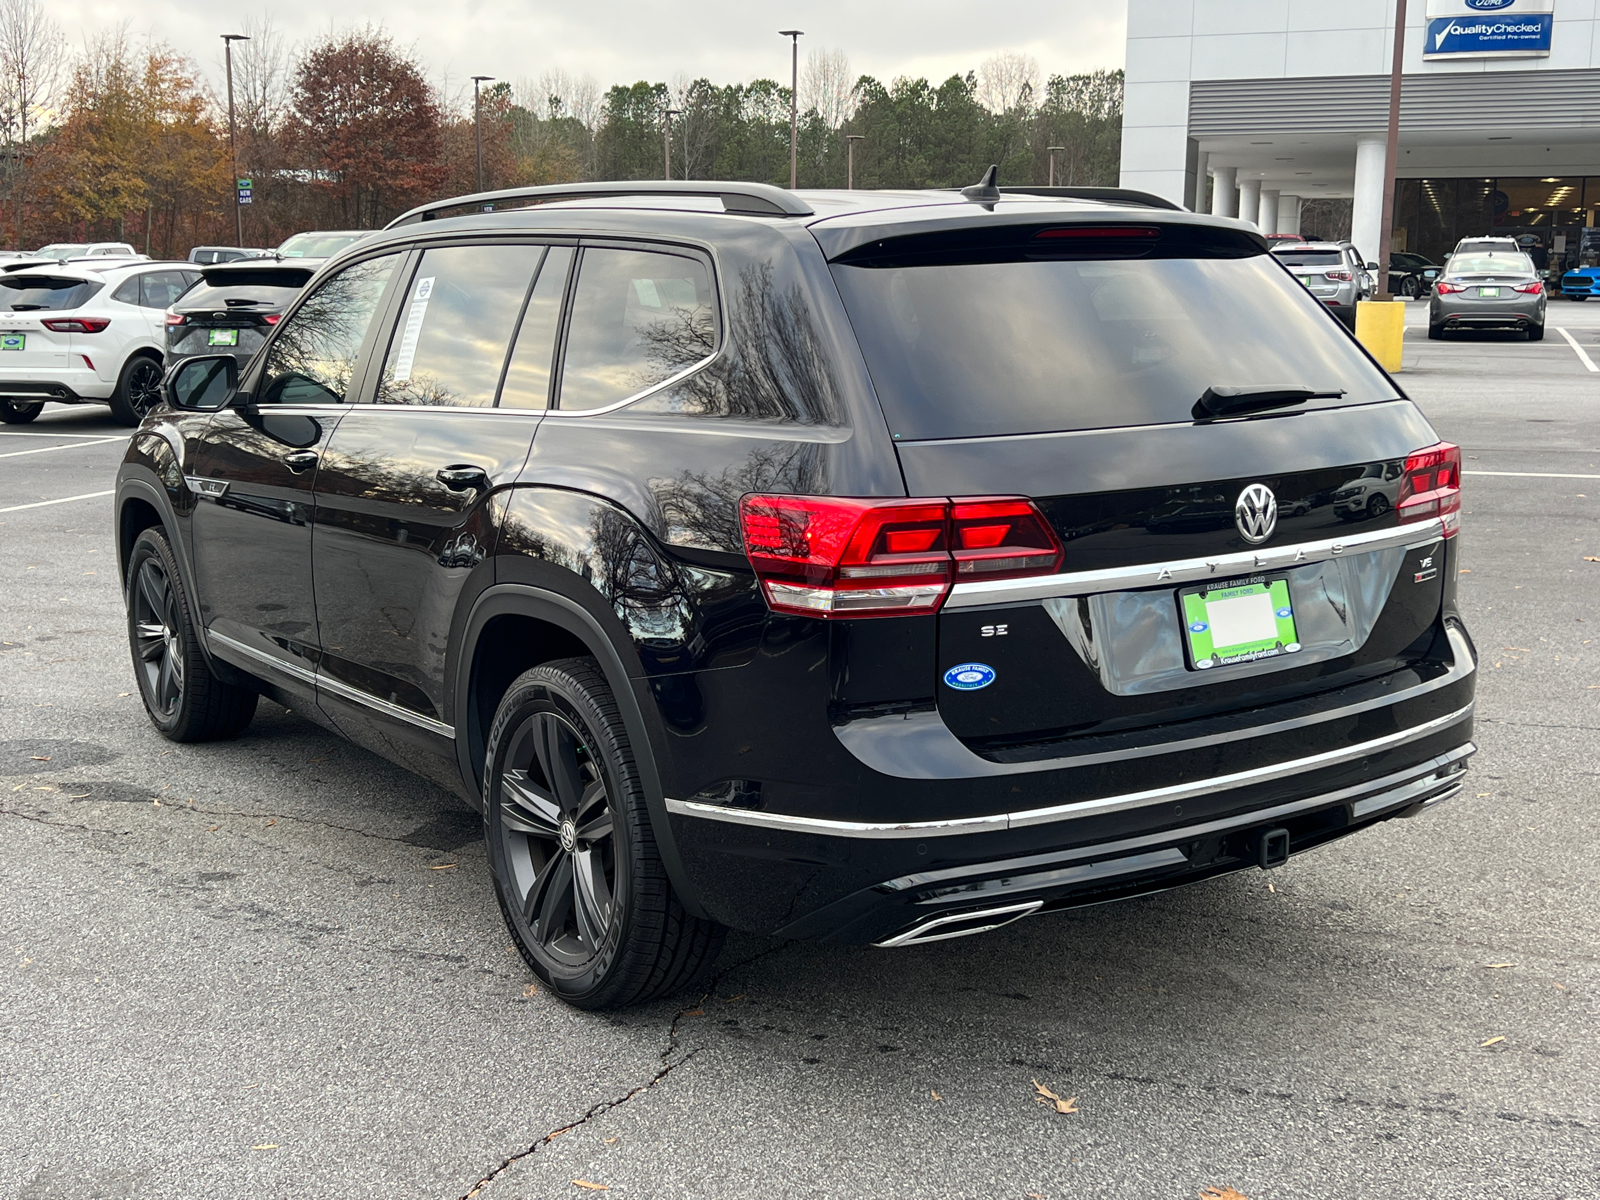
x: 794, y: 36
x: 1391, y: 154
x: 850, y: 140
x: 1053, y: 150
x: 477, y: 120
x: 228, y: 39
x: 666, y: 138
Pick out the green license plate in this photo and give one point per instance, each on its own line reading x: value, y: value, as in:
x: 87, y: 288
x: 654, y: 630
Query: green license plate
x: 1489, y: 293
x: 223, y: 337
x: 1238, y: 622
x: 13, y: 341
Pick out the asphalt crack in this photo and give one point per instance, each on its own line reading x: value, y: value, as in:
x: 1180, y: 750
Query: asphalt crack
x: 38, y: 820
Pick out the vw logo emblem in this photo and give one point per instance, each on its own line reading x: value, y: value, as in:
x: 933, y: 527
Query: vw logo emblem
x: 568, y: 835
x: 1255, y: 512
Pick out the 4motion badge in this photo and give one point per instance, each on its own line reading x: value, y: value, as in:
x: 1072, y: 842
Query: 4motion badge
x: 969, y: 677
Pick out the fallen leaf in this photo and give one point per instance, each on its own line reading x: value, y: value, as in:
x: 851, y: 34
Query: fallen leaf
x: 1518, y: 649
x: 120, y: 695
x: 266, y: 1146
x: 442, y: 867
x: 935, y: 1095
x: 1465, y: 572
x: 1272, y: 889
x: 1492, y: 1041
x: 268, y: 825
x: 1497, y: 966
x: 1050, y: 1100
x: 695, y: 1012
x: 41, y: 758
x: 731, y: 999
x: 214, y: 828
x: 1554, y: 984
x: 1222, y: 1193
x: 1591, y: 558
x: 593, y: 1187
x: 248, y: 1086
x: 609, y: 1141
x: 530, y: 991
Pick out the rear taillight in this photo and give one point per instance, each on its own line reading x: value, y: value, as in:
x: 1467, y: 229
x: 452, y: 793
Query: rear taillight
x: 272, y: 318
x: 829, y: 556
x: 1431, y: 487
x: 1529, y: 289
x: 1449, y: 289
x: 1341, y: 276
x: 176, y: 318
x: 77, y: 324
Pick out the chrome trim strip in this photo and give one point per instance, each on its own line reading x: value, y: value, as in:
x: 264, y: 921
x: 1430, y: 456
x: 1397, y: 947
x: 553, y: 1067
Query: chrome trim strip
x: 261, y: 656
x: 343, y: 690
x: 357, y: 696
x: 1065, y: 812
x: 919, y: 934
x: 1080, y: 872
x: 1124, y: 579
x: 212, y: 489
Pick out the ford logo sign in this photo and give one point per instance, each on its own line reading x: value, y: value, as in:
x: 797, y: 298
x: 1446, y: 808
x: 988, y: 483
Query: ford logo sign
x: 969, y: 677
x: 1489, y: 5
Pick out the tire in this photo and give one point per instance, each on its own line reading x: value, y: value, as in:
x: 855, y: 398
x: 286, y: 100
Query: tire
x: 13, y: 412
x: 1435, y: 332
x: 138, y: 389
x: 1578, y: 298
x: 1408, y: 289
x: 570, y: 842
x: 1536, y: 333
x: 185, y: 701
x: 1377, y: 506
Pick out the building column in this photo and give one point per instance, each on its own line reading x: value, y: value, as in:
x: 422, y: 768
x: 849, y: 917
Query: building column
x: 1224, y: 199
x: 1200, y: 199
x: 1366, y: 211
x: 1268, y: 221
x: 1288, y: 214
x: 1250, y: 201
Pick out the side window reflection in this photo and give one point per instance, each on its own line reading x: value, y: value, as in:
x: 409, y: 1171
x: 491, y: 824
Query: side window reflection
x: 314, y: 354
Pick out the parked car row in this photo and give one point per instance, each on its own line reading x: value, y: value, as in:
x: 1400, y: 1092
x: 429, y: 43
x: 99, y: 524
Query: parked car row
x: 99, y: 323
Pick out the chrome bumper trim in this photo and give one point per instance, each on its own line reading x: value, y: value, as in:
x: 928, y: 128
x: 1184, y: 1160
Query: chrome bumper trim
x: 1074, y: 809
x: 1191, y: 570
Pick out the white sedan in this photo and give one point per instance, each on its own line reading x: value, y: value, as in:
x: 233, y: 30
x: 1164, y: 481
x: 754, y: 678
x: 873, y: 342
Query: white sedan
x: 84, y: 335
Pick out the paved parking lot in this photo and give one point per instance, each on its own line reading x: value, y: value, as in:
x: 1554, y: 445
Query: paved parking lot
x: 273, y: 967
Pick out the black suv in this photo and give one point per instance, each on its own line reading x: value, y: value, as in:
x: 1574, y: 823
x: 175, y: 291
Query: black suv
x: 867, y: 567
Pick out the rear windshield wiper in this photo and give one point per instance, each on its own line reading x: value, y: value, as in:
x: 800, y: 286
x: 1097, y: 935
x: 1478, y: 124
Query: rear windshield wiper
x: 1234, y: 401
x: 26, y: 307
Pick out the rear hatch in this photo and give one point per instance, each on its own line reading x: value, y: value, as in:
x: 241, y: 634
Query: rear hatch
x: 36, y: 323
x: 234, y: 308
x: 1322, y: 272
x: 1069, y: 369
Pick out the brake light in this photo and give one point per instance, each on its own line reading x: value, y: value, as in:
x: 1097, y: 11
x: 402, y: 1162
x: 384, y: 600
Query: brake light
x: 832, y: 557
x: 176, y: 318
x: 272, y: 318
x: 1147, y: 232
x: 1341, y: 276
x: 1449, y: 289
x: 1529, y: 289
x: 77, y: 324
x: 1431, y: 487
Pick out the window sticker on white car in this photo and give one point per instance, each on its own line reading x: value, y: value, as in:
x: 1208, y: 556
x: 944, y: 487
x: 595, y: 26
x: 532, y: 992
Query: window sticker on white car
x: 408, y: 340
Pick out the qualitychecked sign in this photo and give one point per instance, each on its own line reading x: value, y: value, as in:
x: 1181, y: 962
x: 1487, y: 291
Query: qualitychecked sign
x: 1488, y: 28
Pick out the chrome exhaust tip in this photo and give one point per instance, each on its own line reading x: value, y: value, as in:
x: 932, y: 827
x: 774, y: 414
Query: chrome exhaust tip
x: 961, y: 924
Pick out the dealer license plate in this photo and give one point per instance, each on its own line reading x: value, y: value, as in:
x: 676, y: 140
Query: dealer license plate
x: 223, y: 337
x: 1488, y: 293
x: 13, y: 341
x: 1237, y: 622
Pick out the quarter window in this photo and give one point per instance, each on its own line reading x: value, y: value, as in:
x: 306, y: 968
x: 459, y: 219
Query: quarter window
x: 161, y: 289
x: 638, y: 318
x: 450, y: 343
x: 314, y: 353
x: 527, y: 382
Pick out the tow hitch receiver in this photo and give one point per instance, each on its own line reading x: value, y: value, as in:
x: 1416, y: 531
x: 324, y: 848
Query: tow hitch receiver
x: 1273, y: 849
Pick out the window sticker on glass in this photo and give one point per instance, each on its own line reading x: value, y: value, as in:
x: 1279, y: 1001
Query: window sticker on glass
x: 413, y: 331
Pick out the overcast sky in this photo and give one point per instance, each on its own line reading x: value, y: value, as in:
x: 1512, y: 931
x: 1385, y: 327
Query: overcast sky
x: 620, y: 41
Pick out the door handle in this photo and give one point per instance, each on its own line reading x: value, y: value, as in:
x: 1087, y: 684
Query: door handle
x: 461, y: 478
x: 300, y: 460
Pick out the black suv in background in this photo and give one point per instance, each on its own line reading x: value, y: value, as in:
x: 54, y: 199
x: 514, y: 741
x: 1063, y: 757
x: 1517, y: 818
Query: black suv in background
x: 868, y: 567
x: 234, y: 308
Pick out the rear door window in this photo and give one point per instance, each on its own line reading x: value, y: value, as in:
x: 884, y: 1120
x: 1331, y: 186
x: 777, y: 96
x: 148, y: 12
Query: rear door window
x: 312, y: 359
x: 527, y: 383
x: 639, y: 317
x: 450, y: 343
x: 986, y: 348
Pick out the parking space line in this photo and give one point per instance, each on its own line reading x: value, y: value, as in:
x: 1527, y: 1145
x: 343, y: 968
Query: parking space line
x: 1577, y: 349
x: 48, y: 449
x: 47, y: 503
x: 1531, y: 474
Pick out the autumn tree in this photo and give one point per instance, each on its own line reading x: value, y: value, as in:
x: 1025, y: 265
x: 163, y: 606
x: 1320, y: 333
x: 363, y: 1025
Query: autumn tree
x: 368, y: 126
x: 33, y: 62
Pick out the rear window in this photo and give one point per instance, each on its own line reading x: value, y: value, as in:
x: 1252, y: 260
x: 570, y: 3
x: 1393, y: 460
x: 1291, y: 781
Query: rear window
x: 1310, y: 258
x: 317, y: 245
x: 30, y: 293
x: 239, y: 297
x: 978, y: 349
x: 1488, y: 264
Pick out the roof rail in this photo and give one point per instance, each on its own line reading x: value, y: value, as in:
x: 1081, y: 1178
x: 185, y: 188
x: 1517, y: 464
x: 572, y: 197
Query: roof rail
x: 760, y: 199
x: 1114, y: 195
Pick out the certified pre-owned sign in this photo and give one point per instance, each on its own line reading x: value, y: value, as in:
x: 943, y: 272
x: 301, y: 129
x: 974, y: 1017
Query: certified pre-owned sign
x: 1489, y: 28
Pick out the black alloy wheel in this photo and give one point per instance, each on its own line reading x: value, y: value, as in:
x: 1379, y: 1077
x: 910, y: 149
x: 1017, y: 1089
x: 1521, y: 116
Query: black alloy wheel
x: 15, y: 412
x: 576, y: 869
x: 1409, y: 288
x: 185, y: 700
x: 1377, y: 506
x: 138, y: 390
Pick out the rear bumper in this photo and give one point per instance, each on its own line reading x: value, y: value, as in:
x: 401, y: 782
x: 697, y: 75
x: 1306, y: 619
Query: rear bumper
x: 63, y: 387
x: 1499, y: 316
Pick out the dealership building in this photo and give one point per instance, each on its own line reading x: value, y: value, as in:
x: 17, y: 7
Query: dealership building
x: 1250, y: 108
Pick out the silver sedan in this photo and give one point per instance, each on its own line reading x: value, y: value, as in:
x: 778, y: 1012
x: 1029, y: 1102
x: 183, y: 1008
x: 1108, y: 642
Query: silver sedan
x: 1488, y: 290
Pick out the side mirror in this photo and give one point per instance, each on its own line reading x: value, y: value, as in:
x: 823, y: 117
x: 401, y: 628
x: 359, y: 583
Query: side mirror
x: 202, y: 384
x: 1372, y: 267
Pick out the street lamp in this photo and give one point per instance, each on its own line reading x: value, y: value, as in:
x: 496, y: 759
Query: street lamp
x: 477, y: 120
x: 1053, y: 150
x: 850, y: 140
x: 794, y: 36
x: 666, y: 137
x: 228, y: 39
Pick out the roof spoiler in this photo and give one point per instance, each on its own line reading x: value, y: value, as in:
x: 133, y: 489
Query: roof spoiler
x: 758, y: 199
x: 1111, y: 195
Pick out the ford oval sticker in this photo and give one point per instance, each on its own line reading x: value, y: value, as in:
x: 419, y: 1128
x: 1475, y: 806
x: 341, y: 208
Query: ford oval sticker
x: 969, y: 677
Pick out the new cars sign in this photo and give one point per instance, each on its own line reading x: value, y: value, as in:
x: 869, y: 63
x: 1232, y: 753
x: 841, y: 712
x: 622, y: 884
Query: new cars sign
x: 1488, y: 28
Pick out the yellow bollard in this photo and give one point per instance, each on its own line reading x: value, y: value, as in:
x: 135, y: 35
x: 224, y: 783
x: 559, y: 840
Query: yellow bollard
x: 1381, y: 328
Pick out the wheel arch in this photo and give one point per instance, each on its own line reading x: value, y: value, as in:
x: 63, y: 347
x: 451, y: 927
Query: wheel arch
x: 515, y: 626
